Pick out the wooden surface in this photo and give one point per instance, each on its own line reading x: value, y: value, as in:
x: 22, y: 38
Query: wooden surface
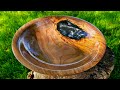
x: 40, y: 47
x: 101, y: 71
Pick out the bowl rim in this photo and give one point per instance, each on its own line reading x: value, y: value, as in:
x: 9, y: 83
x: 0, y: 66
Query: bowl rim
x: 65, y: 69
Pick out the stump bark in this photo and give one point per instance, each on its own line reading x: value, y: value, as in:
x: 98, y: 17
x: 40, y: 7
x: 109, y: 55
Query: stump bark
x: 101, y: 71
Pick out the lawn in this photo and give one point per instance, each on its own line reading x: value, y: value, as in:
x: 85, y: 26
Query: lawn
x: 10, y: 21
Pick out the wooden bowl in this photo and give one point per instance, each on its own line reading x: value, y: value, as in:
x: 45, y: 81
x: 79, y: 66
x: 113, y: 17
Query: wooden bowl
x: 58, y: 45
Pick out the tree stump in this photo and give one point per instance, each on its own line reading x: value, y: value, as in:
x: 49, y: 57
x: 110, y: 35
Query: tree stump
x: 102, y: 70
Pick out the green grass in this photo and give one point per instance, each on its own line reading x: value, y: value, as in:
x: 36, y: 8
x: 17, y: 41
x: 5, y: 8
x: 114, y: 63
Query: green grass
x: 10, y: 21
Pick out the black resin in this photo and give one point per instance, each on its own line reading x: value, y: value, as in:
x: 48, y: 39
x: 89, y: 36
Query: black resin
x: 70, y: 30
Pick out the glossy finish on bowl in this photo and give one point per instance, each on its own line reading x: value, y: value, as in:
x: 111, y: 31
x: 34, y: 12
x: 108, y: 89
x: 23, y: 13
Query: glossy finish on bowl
x: 41, y: 47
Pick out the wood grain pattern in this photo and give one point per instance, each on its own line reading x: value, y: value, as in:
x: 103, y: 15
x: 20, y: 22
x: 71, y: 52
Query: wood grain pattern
x: 39, y: 46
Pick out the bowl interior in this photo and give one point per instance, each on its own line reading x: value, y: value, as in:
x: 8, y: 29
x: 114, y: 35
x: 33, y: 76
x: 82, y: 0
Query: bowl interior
x: 39, y: 45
